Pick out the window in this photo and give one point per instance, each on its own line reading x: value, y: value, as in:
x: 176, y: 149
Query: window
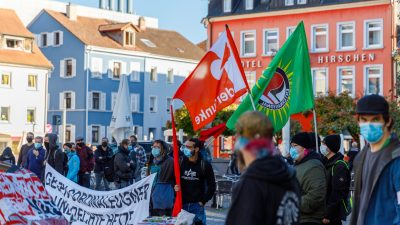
x: 227, y: 5
x: 4, y: 114
x: 5, y: 80
x: 320, y: 82
x: 289, y: 31
x: 117, y: 70
x: 373, y: 79
x: 346, y: 37
x: 249, y: 4
x: 14, y: 44
x: 346, y: 80
x: 58, y: 38
x: 301, y: 2
x: 43, y: 38
x: 113, y: 99
x: 153, y: 104
x: 251, y: 78
x: 148, y: 43
x: 67, y: 68
x: 135, y: 102
x: 95, y: 134
x: 169, y: 102
x: 248, y: 44
x: 319, y: 38
x: 153, y: 74
x: 97, y: 67
x: 69, y: 98
x: 170, y: 75
x: 30, y: 116
x: 96, y: 100
x: 271, y: 41
x: 135, y: 72
x: 289, y: 2
x: 373, y: 37
x: 32, y: 82
x: 128, y: 38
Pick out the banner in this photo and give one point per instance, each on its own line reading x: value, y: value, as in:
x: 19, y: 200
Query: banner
x: 80, y: 205
x: 24, y: 200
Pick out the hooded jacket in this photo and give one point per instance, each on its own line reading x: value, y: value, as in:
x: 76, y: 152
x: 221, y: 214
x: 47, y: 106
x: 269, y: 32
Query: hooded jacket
x: 7, y: 156
x: 121, y: 169
x: 311, y: 175
x: 73, y: 166
x: 106, y: 157
x: 55, y: 156
x: 267, y: 193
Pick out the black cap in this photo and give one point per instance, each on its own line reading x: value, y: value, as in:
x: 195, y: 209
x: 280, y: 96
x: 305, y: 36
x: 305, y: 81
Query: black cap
x: 333, y: 142
x: 372, y: 104
x: 79, y: 138
x: 304, y: 140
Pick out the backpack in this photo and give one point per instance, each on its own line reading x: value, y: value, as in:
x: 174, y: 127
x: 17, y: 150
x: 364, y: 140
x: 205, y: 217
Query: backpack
x: 347, y: 204
x: 109, y: 173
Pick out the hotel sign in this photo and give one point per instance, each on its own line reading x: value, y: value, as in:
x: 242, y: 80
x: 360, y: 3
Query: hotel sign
x: 252, y: 64
x: 346, y: 58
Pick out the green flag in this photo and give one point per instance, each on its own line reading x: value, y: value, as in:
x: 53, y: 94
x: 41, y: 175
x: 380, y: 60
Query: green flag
x: 285, y: 87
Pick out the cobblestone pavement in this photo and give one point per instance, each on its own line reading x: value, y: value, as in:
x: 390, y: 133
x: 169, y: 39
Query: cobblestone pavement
x: 216, y: 216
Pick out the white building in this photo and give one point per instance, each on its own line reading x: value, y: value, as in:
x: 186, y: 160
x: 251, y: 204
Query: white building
x: 23, y: 82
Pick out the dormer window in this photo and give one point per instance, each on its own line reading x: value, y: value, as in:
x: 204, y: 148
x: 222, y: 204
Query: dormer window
x: 227, y: 5
x: 14, y: 43
x: 129, y: 38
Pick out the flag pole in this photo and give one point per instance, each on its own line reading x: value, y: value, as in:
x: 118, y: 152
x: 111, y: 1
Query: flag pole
x: 177, y: 172
x: 251, y: 99
x: 315, y: 130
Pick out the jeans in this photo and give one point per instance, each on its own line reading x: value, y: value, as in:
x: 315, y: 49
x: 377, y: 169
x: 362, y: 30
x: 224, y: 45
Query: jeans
x: 198, y: 210
x: 122, y: 184
x: 84, y: 179
x: 99, y: 178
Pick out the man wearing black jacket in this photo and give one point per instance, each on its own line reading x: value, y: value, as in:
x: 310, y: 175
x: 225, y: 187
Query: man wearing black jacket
x: 338, y: 183
x: 102, y: 157
x: 197, y: 180
x: 123, y: 165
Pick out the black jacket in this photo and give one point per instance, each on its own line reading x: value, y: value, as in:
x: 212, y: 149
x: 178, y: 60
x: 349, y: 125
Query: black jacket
x: 338, y: 184
x: 55, y: 157
x: 7, y: 156
x: 267, y: 193
x: 121, y: 169
x: 105, y: 158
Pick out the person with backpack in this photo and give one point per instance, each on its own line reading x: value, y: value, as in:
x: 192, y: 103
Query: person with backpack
x: 56, y: 158
x: 86, y: 159
x: 73, y: 162
x: 123, y: 165
x: 338, y: 183
x: 102, y: 156
x: 197, y: 180
x: 163, y: 195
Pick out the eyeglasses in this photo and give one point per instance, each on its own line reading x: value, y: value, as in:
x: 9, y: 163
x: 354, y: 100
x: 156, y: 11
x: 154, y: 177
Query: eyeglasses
x: 188, y: 146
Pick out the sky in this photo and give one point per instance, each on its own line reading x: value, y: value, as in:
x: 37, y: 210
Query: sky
x: 183, y: 16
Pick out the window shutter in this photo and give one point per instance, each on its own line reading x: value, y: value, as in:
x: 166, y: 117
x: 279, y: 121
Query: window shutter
x: 140, y: 133
x: 123, y: 68
x: 62, y: 68
x: 60, y: 133
x: 73, y: 129
x: 61, y: 42
x: 90, y: 100
x: 102, y: 132
x: 50, y: 39
x: 72, y: 100
x: 73, y: 67
x: 134, y: 102
x: 37, y: 40
x: 135, y: 71
x: 100, y: 66
x: 109, y: 135
x: 110, y: 69
x: 89, y: 134
x: 103, y: 101
x: 61, y: 106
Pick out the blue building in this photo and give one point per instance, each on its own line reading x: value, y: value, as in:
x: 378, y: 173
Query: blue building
x: 90, y: 55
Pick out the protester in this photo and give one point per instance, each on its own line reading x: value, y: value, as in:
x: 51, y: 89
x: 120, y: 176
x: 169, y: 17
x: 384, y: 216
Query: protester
x: 352, y: 154
x: 197, y: 181
x: 56, y: 158
x: 162, y: 196
x: 141, y: 158
x: 377, y: 166
x: 86, y: 160
x: 310, y: 173
x: 36, y: 158
x: 267, y: 191
x: 338, y: 173
x: 25, y: 149
x: 102, y: 157
x: 132, y: 156
x: 7, y: 156
x: 232, y: 166
x: 123, y: 165
x: 73, y: 162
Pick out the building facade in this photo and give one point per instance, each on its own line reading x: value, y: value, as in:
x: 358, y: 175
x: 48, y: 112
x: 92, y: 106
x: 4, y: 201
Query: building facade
x: 23, y: 82
x: 91, y: 54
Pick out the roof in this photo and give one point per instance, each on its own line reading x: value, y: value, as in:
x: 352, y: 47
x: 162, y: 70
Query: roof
x: 168, y: 43
x: 12, y: 25
x: 215, y: 7
x: 203, y: 45
x: 117, y: 26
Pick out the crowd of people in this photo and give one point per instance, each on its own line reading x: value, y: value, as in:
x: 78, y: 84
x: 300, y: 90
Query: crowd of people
x: 310, y: 185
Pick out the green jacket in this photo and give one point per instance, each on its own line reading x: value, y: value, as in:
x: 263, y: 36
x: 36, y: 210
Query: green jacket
x: 311, y: 174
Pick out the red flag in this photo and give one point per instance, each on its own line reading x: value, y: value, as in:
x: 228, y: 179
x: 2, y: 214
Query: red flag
x: 177, y: 170
x: 216, y: 82
x: 212, y: 132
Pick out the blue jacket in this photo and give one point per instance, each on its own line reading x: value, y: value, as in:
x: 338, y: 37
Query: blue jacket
x: 384, y: 201
x: 73, y: 166
x: 35, y: 163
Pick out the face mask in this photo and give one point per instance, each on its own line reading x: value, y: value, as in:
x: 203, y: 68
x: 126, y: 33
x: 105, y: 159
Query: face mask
x: 372, y: 132
x: 29, y: 139
x: 47, y: 145
x: 294, y: 153
x: 38, y: 145
x: 104, y: 144
x: 67, y: 150
x: 155, y: 152
x: 130, y: 148
x: 240, y: 143
x: 324, y: 150
x: 80, y: 144
x: 187, y: 152
x: 133, y: 143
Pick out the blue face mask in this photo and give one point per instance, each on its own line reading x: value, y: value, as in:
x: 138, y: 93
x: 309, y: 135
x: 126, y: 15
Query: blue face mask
x: 186, y: 151
x: 155, y: 152
x: 324, y: 150
x: 294, y: 153
x: 67, y: 150
x: 372, y: 132
x: 130, y: 148
x: 240, y: 143
x: 38, y: 145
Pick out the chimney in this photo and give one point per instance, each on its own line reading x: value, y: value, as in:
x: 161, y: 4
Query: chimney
x: 142, y: 23
x: 71, y: 11
x: 121, y: 5
x: 102, y: 4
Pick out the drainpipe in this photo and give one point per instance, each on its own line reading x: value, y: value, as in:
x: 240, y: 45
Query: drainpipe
x: 87, y: 66
x: 46, y: 103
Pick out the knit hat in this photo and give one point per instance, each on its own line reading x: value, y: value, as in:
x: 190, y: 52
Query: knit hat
x: 303, y: 139
x: 372, y: 104
x: 333, y: 142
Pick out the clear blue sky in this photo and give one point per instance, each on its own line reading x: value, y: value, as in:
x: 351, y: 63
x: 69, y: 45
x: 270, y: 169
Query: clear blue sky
x: 183, y: 16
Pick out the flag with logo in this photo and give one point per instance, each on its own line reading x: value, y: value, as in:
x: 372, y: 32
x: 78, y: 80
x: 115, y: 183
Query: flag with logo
x: 285, y: 87
x: 216, y: 82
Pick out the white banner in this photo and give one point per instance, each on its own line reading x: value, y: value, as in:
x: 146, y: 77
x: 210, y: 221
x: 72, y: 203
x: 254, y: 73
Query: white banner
x: 80, y: 205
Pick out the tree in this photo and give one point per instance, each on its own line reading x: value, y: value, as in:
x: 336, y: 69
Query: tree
x: 395, y: 114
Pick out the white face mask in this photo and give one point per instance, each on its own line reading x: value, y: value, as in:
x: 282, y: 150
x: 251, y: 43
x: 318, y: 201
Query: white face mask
x: 324, y: 150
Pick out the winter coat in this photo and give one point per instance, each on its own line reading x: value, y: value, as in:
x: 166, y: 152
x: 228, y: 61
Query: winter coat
x: 384, y: 201
x: 23, y: 154
x: 311, y: 175
x: 121, y: 169
x: 166, y: 170
x: 86, y: 159
x: 267, y: 193
x: 35, y: 163
x: 105, y: 158
x: 7, y: 156
x: 55, y: 157
x: 338, y: 185
x: 73, y: 166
